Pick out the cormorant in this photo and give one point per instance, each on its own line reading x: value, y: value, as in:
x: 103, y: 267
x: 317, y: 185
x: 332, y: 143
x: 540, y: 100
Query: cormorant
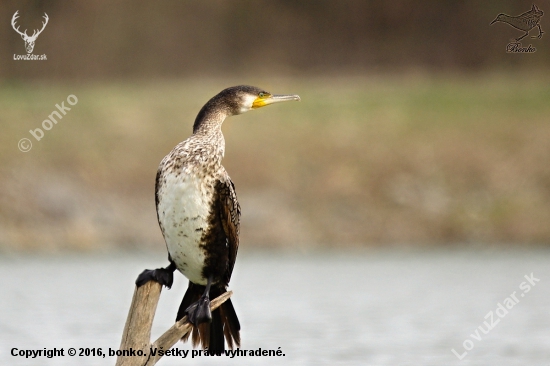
x: 198, y: 214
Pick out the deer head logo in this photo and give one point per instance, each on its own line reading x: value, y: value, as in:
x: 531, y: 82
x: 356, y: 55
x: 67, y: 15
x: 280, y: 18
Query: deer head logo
x: 29, y: 41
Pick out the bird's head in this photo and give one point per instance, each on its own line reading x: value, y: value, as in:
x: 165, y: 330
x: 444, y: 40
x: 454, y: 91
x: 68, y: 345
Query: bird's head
x: 499, y: 18
x: 237, y: 100
x: 242, y: 98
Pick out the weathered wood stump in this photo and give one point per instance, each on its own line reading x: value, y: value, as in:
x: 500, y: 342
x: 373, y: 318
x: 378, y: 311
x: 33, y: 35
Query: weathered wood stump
x: 137, y: 331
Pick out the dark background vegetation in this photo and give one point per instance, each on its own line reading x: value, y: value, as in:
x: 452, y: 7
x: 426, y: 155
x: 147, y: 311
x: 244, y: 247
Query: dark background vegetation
x: 415, y: 126
x: 119, y: 39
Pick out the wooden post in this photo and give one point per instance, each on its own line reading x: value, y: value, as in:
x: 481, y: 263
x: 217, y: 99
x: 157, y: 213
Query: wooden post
x: 137, y: 331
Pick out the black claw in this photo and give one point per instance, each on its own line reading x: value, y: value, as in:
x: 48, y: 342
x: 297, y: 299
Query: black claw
x: 199, y: 312
x: 163, y: 276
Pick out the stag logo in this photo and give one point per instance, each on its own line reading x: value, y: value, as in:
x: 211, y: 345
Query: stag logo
x: 29, y: 40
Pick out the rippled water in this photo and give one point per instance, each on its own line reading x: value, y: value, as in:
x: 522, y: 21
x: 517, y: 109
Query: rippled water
x: 369, y: 308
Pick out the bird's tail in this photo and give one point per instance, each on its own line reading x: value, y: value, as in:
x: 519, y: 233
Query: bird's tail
x: 225, y: 324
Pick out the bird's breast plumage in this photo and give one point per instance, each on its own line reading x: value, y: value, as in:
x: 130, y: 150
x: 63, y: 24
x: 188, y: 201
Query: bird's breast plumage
x: 183, y: 211
x: 185, y: 193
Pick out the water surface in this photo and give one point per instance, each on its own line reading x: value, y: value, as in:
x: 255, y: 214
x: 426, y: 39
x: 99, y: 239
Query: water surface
x: 367, y: 308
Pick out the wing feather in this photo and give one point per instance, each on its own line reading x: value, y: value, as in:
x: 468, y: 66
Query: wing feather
x: 230, y: 216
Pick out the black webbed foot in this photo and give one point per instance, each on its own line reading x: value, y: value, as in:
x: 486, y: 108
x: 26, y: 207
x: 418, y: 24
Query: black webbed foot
x: 199, y: 312
x: 164, y: 276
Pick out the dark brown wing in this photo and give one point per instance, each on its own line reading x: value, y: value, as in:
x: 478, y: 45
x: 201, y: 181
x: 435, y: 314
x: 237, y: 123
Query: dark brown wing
x: 158, y: 183
x: 157, y: 188
x: 230, y: 217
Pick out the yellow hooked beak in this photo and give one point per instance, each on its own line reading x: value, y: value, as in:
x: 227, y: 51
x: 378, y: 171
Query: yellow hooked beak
x: 266, y: 99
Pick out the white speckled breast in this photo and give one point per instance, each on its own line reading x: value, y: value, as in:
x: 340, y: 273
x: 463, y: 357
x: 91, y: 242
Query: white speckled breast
x: 183, y: 209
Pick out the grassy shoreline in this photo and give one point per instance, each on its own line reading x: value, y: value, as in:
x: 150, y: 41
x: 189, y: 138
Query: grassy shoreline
x: 360, y: 161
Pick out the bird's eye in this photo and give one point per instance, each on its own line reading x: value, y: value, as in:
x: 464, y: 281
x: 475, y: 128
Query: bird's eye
x: 262, y: 95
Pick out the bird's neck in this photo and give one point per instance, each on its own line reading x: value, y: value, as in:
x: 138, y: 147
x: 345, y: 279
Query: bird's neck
x: 209, y: 124
x: 210, y: 118
x: 207, y: 130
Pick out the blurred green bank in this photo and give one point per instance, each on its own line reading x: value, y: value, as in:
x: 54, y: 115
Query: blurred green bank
x: 370, y: 160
